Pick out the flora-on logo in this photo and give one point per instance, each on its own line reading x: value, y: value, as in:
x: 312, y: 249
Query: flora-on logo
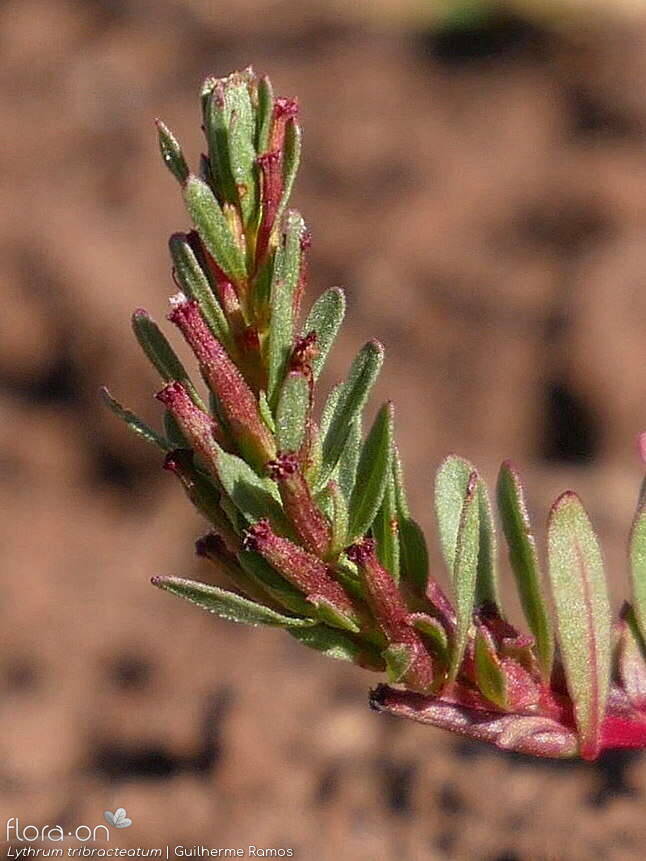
x: 118, y: 819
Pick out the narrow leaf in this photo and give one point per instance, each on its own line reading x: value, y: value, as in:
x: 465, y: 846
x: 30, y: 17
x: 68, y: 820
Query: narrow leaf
x: 373, y: 472
x: 284, y: 282
x: 253, y: 496
x: 582, y: 615
x: 242, y: 151
x: 336, y: 644
x: 264, y: 114
x: 352, y: 399
x: 414, y: 562
x: 523, y: 558
x: 292, y: 412
x: 349, y: 460
x: 172, y: 153
x: 325, y: 319
x: 291, y: 160
x: 135, y: 424
x: 385, y: 529
x: 196, y: 286
x: 227, y: 605
x: 638, y: 566
x: 211, y: 224
x: 160, y: 353
x: 465, y: 570
x: 450, y: 486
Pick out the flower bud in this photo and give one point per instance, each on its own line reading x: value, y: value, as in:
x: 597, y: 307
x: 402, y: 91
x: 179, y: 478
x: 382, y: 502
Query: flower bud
x: 391, y: 614
x: 227, y: 384
x: 309, y: 574
x: 310, y: 523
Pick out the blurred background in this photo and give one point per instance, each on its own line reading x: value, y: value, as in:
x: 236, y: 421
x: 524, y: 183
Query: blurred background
x: 475, y: 177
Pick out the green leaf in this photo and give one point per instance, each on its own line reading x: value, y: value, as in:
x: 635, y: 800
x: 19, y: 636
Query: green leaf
x: 172, y: 153
x: 264, y: 114
x: 465, y: 570
x: 336, y: 644
x: 523, y: 557
x: 348, y: 464
x: 631, y: 661
x: 638, y: 565
x: 253, y: 496
x: 217, y: 115
x: 325, y: 319
x: 227, y: 605
x: 160, y: 353
x: 242, y: 151
x: 385, y: 529
x: 398, y: 658
x: 373, y: 472
x: 331, y: 615
x: 490, y: 677
x: 291, y: 161
x: 283, y: 286
x: 450, y: 486
x: 196, y: 286
x: 135, y: 424
x: 211, y: 223
x: 338, y: 518
x: 432, y: 629
x: 414, y: 562
x: 292, y: 412
x: 265, y: 411
x: 582, y: 615
x: 352, y: 399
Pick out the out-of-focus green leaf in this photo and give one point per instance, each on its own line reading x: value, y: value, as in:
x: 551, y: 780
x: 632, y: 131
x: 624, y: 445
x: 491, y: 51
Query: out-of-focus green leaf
x: 523, y: 557
x: 160, y: 353
x: 632, y: 659
x: 292, y: 412
x: 283, y: 285
x: 352, y: 398
x: 582, y: 615
x: 385, y: 529
x: 211, y: 223
x: 638, y: 565
x: 325, y: 319
x: 196, y: 286
x: 135, y: 424
x: 373, y: 472
x: 172, y: 153
x: 465, y: 570
x: 227, y: 605
x: 450, y: 487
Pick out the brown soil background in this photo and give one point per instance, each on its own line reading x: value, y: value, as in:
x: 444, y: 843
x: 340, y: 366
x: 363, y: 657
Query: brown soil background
x: 483, y: 200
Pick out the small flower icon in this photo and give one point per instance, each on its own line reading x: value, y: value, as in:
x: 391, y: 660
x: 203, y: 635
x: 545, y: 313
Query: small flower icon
x: 118, y: 819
